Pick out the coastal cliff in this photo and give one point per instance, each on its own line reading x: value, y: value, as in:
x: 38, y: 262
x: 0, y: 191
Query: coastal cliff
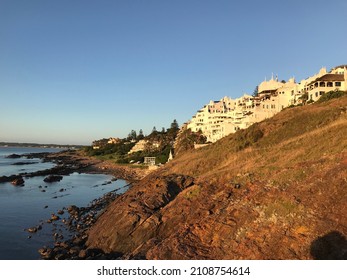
x: 277, y: 190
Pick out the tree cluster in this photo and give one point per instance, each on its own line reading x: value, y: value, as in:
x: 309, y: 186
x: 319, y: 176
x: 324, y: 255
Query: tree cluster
x: 159, y: 144
x: 187, y: 139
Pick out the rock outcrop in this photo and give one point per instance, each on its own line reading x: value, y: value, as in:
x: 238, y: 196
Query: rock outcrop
x: 18, y: 181
x: 135, y: 218
x: 13, y: 156
x: 53, y: 178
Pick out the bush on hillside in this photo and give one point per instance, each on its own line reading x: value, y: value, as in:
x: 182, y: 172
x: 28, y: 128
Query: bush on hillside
x: 121, y: 148
x: 331, y: 95
x: 247, y: 137
x: 304, y: 97
x: 186, y: 140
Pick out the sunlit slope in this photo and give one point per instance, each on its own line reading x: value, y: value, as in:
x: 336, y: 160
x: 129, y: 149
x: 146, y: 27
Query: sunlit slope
x: 295, y: 136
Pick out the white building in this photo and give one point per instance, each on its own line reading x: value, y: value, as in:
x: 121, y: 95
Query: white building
x: 219, y: 118
x: 142, y: 145
x: 324, y: 82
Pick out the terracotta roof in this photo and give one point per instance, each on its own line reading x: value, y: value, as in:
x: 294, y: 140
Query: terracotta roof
x: 341, y: 66
x: 329, y: 78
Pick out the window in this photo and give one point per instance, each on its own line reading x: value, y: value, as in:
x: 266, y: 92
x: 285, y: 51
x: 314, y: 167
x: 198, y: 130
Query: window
x: 316, y: 94
x: 337, y: 84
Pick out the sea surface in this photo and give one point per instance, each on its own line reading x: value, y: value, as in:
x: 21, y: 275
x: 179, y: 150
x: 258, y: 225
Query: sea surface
x: 32, y: 204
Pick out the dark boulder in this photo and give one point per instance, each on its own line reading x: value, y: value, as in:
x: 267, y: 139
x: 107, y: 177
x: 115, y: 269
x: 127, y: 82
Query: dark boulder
x: 34, y: 229
x: 73, y: 209
x: 18, y: 181
x: 13, y: 156
x: 53, y: 178
x: 24, y: 163
x: 54, y: 217
x: 46, y: 253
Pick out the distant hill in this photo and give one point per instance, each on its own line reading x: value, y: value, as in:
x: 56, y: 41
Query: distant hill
x: 277, y: 190
x: 37, y: 145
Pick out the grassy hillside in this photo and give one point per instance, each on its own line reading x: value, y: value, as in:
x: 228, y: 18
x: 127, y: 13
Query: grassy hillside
x: 296, y: 136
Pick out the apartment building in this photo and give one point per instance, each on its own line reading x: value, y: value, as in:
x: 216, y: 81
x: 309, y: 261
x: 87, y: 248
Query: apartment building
x: 324, y: 82
x: 219, y: 118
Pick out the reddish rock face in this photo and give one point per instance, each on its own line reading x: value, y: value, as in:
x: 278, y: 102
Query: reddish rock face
x: 175, y: 217
x: 136, y: 217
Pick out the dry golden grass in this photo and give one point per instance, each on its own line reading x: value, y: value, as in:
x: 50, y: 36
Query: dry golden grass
x: 277, y: 147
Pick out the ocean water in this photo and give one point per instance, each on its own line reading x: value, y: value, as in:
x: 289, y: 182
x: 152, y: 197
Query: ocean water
x: 8, y: 165
x: 24, y: 207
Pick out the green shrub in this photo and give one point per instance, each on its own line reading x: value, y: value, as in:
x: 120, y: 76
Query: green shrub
x: 247, y: 137
x: 331, y: 95
x: 187, y: 139
x: 304, y: 97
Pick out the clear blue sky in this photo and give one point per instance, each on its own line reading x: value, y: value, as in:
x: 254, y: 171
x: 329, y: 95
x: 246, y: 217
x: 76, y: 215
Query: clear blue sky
x: 75, y: 71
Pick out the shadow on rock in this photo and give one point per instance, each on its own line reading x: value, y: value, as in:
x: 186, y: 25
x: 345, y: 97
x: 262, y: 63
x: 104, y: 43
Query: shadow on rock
x: 332, y: 246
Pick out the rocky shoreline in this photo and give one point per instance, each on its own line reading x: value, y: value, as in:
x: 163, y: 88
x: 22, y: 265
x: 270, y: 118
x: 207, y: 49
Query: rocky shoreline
x: 69, y: 162
x: 75, y: 220
x: 65, y: 166
x: 78, y: 221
